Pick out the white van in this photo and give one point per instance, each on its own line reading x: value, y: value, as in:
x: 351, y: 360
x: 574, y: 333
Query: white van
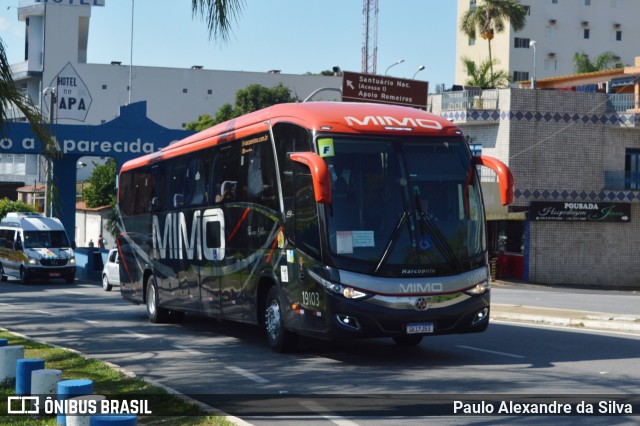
x: 35, y: 246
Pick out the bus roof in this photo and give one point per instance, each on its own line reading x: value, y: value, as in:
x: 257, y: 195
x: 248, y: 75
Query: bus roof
x: 338, y: 117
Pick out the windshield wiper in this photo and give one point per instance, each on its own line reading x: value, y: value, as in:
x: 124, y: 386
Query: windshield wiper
x: 392, y: 241
x: 439, y: 240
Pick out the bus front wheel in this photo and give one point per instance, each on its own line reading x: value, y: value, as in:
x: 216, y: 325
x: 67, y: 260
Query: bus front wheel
x: 280, y: 339
x: 155, y: 313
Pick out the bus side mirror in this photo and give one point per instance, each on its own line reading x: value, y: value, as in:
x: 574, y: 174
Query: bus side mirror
x: 505, y: 178
x: 319, y: 174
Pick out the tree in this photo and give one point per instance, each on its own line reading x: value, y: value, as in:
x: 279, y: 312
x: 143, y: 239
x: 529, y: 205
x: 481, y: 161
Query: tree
x: 490, y: 18
x: 102, y: 189
x: 604, y: 61
x: 249, y: 99
x: 7, y: 205
x: 481, y: 75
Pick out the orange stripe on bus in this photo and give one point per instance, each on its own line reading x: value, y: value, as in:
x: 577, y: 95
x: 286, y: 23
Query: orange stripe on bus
x: 244, y: 215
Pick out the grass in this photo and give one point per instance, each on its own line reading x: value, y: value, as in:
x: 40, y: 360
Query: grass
x: 106, y: 381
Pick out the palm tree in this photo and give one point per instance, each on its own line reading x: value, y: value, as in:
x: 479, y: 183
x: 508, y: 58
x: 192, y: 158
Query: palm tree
x: 481, y: 75
x: 218, y: 14
x: 604, y: 61
x: 490, y: 18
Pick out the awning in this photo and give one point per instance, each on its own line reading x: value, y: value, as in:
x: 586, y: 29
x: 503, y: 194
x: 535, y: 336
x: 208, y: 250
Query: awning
x: 622, y: 81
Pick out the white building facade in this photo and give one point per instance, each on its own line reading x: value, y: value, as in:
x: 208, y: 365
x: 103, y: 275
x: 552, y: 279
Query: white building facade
x: 560, y: 29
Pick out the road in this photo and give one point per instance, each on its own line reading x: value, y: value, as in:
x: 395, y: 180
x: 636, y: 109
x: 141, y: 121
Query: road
x: 231, y: 367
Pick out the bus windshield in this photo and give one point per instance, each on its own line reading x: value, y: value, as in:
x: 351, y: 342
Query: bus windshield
x: 404, y: 206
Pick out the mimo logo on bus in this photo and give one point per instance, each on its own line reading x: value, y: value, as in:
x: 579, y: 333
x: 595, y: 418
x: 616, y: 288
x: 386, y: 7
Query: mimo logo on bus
x: 379, y: 120
x: 174, y: 241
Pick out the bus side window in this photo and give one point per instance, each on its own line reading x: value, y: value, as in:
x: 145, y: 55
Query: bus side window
x: 226, y: 173
x: 176, y: 183
x: 195, y: 183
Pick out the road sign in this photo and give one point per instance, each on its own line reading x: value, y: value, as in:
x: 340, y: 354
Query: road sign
x: 384, y: 90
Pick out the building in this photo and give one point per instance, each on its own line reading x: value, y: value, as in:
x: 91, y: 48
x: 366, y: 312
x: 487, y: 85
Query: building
x: 575, y: 157
x: 55, y: 63
x: 560, y: 28
x: 70, y: 91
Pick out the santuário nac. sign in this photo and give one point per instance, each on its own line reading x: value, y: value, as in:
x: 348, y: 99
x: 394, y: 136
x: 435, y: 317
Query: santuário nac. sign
x: 559, y: 211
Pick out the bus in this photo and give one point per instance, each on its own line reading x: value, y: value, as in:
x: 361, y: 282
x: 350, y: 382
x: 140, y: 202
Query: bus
x: 323, y: 219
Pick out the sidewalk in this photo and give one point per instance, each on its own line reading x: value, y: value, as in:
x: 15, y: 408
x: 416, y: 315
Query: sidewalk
x: 566, y: 317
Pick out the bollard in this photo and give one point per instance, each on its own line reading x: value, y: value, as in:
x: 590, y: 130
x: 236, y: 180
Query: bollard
x: 83, y: 403
x: 70, y: 388
x: 24, y: 368
x: 44, y: 383
x: 4, y: 342
x: 114, y: 420
x: 9, y: 355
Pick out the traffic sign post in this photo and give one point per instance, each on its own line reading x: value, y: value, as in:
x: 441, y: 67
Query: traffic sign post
x: 384, y: 90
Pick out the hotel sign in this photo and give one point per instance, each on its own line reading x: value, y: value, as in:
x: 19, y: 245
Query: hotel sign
x: 553, y: 211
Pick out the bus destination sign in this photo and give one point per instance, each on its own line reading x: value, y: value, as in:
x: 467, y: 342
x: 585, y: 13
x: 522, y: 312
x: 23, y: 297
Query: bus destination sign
x: 384, y: 90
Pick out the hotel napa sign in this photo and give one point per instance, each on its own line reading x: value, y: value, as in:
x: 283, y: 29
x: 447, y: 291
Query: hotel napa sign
x: 72, y: 97
x: 553, y: 211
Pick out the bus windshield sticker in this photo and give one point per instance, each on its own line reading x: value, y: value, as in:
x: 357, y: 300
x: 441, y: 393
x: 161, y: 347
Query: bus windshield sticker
x: 280, y: 240
x: 290, y: 256
x: 325, y: 147
x: 284, y: 273
x: 344, y: 242
x: 363, y: 239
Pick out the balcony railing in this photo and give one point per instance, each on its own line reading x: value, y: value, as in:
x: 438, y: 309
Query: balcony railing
x: 470, y: 100
x: 621, y: 102
x: 618, y: 179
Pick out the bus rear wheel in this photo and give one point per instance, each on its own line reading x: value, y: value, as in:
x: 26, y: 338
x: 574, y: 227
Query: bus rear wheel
x: 156, y: 314
x: 280, y: 339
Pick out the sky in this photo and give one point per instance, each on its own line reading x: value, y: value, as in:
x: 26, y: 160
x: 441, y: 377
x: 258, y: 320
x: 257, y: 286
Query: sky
x: 294, y: 36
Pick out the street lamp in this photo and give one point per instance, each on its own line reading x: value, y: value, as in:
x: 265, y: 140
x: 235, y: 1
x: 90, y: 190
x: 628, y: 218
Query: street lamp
x: 420, y: 68
x: 393, y: 65
x: 533, y: 43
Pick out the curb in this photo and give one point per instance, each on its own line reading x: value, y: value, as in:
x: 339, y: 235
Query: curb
x: 566, y: 318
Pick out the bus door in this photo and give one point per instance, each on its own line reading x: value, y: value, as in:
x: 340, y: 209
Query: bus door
x: 303, y: 230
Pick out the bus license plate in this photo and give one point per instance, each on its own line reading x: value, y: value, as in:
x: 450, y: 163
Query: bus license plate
x: 54, y: 274
x: 426, y: 327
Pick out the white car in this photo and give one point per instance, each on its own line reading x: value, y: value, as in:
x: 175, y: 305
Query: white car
x: 111, y: 271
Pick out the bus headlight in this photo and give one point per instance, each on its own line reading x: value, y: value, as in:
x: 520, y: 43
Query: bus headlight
x: 345, y: 291
x: 480, y: 288
x: 32, y: 261
x: 352, y: 293
x: 72, y: 260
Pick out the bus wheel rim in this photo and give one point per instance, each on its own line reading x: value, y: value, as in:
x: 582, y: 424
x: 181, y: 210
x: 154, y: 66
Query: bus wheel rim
x: 273, y: 320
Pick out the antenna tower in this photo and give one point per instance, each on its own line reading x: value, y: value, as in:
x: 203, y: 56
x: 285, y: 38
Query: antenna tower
x: 369, y: 36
